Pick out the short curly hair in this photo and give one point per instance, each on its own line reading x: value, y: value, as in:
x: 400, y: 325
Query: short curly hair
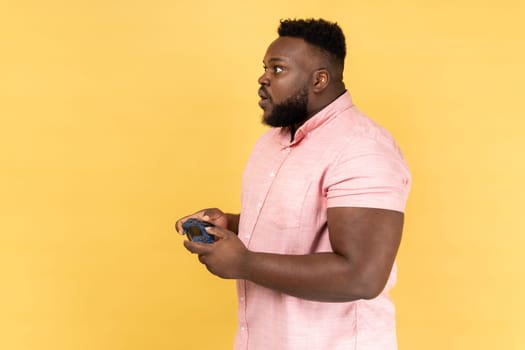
x: 325, y: 35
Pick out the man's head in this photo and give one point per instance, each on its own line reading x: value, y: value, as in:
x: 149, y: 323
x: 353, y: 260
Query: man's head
x: 303, y: 71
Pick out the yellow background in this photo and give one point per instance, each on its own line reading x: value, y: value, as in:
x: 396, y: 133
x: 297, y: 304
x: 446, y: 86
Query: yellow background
x: 117, y: 117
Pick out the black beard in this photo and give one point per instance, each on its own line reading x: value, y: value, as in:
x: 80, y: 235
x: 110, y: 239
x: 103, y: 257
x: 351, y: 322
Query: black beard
x: 291, y: 112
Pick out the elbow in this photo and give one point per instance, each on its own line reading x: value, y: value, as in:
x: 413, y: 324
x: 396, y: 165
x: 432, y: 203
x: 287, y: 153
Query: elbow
x: 366, y: 288
x: 369, y: 281
x: 371, y: 291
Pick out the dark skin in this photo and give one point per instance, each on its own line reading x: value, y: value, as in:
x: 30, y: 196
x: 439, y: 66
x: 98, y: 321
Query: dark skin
x: 291, y: 63
x: 364, y: 240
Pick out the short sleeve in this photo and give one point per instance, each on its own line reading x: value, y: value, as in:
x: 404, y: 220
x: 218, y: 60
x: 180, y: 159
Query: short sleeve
x: 368, y: 173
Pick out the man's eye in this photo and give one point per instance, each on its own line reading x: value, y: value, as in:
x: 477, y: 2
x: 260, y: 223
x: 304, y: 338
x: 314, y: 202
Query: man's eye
x: 274, y: 69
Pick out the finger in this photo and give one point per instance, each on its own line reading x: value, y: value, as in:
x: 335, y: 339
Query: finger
x: 180, y: 222
x: 197, y: 247
x: 178, y: 226
x: 217, y: 232
x: 212, y: 214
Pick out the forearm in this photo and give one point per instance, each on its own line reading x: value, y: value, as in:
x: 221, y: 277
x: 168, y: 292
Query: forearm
x: 324, y: 277
x: 364, y: 243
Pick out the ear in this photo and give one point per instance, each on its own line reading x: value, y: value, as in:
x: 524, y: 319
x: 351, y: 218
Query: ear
x: 321, y: 79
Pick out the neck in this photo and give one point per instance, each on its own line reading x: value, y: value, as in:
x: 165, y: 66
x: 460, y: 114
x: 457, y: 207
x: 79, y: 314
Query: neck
x: 326, y: 99
x: 323, y: 102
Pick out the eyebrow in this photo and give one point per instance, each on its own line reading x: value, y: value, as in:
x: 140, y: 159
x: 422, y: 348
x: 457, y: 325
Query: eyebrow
x: 275, y: 59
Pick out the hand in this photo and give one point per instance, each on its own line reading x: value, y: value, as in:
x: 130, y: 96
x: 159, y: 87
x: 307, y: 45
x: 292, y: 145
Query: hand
x: 213, y: 215
x: 226, y: 257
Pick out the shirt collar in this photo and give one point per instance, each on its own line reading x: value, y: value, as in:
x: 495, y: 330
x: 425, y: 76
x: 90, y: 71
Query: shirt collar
x: 340, y: 104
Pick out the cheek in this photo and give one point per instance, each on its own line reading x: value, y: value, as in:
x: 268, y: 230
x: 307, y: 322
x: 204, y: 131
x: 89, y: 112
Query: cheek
x: 279, y: 93
x: 286, y: 88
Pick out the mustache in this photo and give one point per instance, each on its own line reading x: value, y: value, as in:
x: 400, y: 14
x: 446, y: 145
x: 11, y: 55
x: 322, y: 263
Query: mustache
x: 263, y: 93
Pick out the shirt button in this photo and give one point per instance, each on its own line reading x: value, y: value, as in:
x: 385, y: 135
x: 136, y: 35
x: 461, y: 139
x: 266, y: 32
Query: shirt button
x: 272, y: 174
x: 243, y: 328
x: 259, y: 205
x: 241, y: 298
x: 247, y: 236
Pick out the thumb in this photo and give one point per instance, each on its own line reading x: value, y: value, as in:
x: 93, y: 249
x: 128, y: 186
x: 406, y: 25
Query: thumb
x: 218, y: 232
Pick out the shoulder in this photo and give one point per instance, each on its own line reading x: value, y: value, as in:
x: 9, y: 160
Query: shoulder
x: 353, y: 133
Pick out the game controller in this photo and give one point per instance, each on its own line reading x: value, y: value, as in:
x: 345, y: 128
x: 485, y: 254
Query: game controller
x: 195, y: 229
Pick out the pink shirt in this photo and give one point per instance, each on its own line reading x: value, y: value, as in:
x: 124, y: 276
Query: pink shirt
x: 339, y: 158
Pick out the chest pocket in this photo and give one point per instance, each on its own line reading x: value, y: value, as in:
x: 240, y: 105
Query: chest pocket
x: 284, y: 204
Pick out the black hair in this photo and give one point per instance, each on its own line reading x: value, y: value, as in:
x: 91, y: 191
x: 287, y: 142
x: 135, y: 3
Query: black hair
x: 325, y: 35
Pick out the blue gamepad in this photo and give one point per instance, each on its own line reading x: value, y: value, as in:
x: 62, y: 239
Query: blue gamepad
x: 195, y: 229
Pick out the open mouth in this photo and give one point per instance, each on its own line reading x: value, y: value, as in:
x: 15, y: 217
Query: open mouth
x: 265, y: 99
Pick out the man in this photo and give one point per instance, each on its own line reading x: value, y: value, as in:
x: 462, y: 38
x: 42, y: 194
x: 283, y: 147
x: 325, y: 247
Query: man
x: 323, y: 197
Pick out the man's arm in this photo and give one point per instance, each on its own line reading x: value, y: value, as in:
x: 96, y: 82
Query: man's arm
x: 364, y: 242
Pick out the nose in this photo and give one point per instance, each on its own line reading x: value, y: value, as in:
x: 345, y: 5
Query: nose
x: 264, y: 80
